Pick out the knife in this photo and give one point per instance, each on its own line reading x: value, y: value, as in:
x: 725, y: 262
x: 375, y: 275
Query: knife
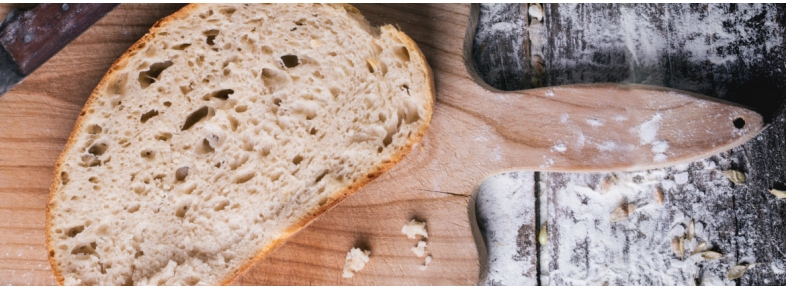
x: 28, y: 38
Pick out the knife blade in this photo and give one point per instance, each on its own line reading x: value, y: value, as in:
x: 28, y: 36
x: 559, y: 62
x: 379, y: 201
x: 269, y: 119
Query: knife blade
x: 28, y: 38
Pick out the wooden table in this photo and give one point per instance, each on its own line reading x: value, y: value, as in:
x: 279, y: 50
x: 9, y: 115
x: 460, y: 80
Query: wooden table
x: 732, y: 52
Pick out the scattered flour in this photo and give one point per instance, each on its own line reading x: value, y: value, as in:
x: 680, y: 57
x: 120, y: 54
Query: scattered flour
x: 563, y: 118
x: 560, y: 147
x: 648, y: 133
x: 681, y: 178
x: 505, y: 207
x: 606, y: 146
x: 549, y: 92
x: 595, y: 122
x: 586, y: 248
x: 649, y: 129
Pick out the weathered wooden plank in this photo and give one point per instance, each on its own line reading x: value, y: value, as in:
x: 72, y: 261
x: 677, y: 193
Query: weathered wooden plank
x: 729, y: 51
x: 506, y: 211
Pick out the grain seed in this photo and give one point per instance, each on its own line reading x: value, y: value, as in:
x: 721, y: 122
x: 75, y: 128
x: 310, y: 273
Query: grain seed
x: 543, y: 235
x: 691, y: 230
x: 701, y: 247
x: 711, y: 255
x: 675, y: 245
x: 778, y: 193
x: 736, y: 177
x: 658, y: 195
x: 622, y: 211
x: 737, y: 271
x: 609, y: 181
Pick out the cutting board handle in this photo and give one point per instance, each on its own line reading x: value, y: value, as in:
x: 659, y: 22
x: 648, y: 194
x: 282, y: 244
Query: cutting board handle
x: 33, y: 36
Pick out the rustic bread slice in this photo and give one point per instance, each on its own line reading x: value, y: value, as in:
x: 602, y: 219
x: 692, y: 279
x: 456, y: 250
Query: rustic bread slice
x: 222, y: 132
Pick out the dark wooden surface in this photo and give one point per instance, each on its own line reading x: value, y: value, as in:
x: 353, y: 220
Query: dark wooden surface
x: 33, y: 36
x: 728, y: 51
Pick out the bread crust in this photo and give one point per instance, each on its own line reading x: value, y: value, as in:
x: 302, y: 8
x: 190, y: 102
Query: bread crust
x: 304, y: 221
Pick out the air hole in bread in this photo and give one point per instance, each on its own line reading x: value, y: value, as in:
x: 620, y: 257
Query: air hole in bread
x: 148, y: 115
x: 181, y: 174
x: 210, y: 36
x: 72, y: 232
x: 139, y: 254
x: 195, y: 117
x: 148, y: 77
x: 133, y: 208
x: 148, y: 154
x: 181, y: 46
x: 241, y: 108
x: 206, y: 147
x: 402, y: 53
x: 94, y: 129
x: 405, y: 87
x: 97, y: 149
x: 63, y: 178
x: 245, y: 176
x: 297, y: 159
x: 227, y: 11
x: 379, y: 150
x: 181, y: 211
x: 88, y: 249
x: 319, y: 178
x: 273, y: 79
x: 159, y: 177
x: 233, y: 123
x: 313, y: 131
x: 370, y: 66
x: 167, y: 103
x: 164, y: 136
x: 277, y: 101
x: 185, y: 89
x: 123, y: 143
x: 190, y: 189
x: 221, y: 94
x: 289, y: 61
x: 93, y: 180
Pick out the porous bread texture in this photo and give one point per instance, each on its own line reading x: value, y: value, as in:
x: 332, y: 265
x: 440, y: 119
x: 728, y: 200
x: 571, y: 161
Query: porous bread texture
x: 222, y: 132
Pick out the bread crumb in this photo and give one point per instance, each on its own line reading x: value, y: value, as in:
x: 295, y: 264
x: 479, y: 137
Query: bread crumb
x: 425, y: 265
x: 415, y: 228
x: 420, y: 249
x: 356, y: 260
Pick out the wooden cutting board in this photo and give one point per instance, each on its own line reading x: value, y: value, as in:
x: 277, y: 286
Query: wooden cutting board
x: 475, y: 132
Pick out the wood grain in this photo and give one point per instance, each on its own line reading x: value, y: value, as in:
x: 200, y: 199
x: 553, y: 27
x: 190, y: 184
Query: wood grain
x: 476, y: 131
x: 31, y: 37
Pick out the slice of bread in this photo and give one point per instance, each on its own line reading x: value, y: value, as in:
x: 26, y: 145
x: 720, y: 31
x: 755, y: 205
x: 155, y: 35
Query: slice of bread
x: 222, y: 132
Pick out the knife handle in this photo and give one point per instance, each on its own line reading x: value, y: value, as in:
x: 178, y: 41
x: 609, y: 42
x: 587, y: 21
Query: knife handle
x: 33, y: 36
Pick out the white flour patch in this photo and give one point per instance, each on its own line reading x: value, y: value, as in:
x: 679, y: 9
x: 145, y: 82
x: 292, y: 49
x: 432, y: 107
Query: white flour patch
x: 595, y: 122
x: 497, y: 153
x: 620, y: 118
x: 681, y: 178
x: 505, y: 204
x: 549, y: 93
x: 648, y: 130
x: 547, y: 162
x: 606, y: 146
x: 563, y: 118
x: 560, y: 147
x: 648, y: 133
